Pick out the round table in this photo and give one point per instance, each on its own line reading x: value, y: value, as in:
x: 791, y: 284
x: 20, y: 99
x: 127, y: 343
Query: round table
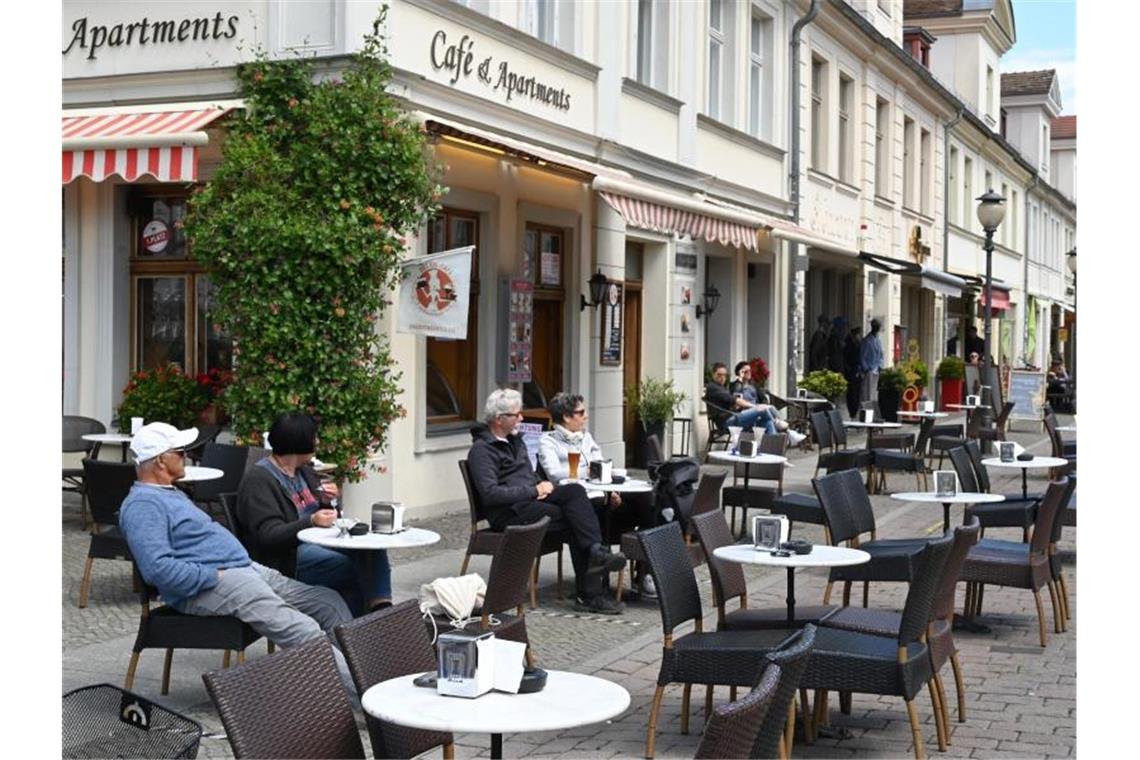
x: 405, y: 539
x: 924, y: 415
x: 629, y: 485
x: 1066, y: 428
x: 124, y: 439
x: 195, y: 474
x: 821, y: 556
x: 1025, y: 465
x: 966, y: 407
x: 962, y: 497
x: 569, y: 700
x: 871, y: 427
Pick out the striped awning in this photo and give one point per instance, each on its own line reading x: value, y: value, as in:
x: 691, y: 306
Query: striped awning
x: 162, y: 142
x: 669, y: 219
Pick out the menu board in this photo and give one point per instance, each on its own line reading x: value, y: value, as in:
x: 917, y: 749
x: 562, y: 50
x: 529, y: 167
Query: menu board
x: 612, y: 325
x: 1027, y: 392
x: 520, y: 326
x: 531, y: 433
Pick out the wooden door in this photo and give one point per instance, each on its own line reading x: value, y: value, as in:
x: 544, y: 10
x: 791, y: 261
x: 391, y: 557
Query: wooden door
x: 631, y: 362
x: 546, y: 356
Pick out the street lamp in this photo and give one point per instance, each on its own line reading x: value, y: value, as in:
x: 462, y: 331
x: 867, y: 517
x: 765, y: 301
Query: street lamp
x: 711, y: 297
x: 1072, y: 262
x: 991, y: 210
x: 598, y: 283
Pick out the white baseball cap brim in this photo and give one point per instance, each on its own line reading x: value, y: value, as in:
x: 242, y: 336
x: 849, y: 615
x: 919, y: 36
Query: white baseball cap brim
x: 158, y: 437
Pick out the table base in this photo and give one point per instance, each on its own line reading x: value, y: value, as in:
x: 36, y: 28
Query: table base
x: 497, y: 746
x: 969, y: 626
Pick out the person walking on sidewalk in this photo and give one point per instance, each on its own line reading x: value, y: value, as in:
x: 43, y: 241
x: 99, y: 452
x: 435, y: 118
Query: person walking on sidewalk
x: 871, y: 361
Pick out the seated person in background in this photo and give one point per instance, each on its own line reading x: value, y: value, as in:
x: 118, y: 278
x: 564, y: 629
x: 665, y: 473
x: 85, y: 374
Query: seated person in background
x: 282, y: 495
x: 199, y: 567
x: 740, y: 412
x: 742, y: 386
x: 511, y: 494
x: 570, y: 417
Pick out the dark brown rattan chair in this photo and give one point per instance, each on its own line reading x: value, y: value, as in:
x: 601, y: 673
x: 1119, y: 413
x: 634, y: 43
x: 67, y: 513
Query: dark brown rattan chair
x: 388, y: 644
x: 730, y: 658
x: 756, y: 495
x: 106, y: 484
x: 776, y: 734
x: 507, y: 584
x: 206, y: 434
x: 1068, y: 516
x: 706, y: 499
x: 886, y: 460
x: 1014, y: 512
x: 945, y: 437
x: 728, y: 582
x: 291, y: 705
x: 718, y: 433
x: 940, y: 636
x: 997, y: 431
x: 74, y: 428
x: 733, y: 728
x: 1020, y: 565
x: 484, y: 541
x: 231, y: 460
x: 1061, y: 448
x: 885, y: 439
x: 832, y: 456
x: 848, y: 661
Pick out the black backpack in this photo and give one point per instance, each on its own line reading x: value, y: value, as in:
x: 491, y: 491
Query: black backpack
x: 676, y: 488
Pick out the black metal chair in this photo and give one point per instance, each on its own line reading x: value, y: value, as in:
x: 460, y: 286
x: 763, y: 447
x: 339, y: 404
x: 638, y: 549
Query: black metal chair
x: 730, y: 658
x: 104, y: 721
x: 388, y: 644
x: 849, y: 661
x: 106, y: 485
x: 760, y: 495
x: 718, y: 433
x: 734, y: 727
x: 485, y: 541
x: 231, y: 460
x: 206, y: 434
x: 74, y: 428
x: 291, y: 705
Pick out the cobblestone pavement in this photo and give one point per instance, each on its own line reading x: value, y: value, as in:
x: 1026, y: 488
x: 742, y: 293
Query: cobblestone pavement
x: 1021, y: 698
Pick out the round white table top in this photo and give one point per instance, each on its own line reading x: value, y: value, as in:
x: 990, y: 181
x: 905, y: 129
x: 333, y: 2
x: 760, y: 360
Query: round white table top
x: 962, y: 497
x: 1066, y: 428
x: 405, y: 539
x: 108, y: 437
x: 964, y: 406
x: 195, y: 473
x: 931, y: 415
x: 821, y: 556
x: 728, y: 456
x: 798, y: 400
x: 629, y: 485
x: 569, y: 699
x: 875, y: 425
x: 1026, y: 464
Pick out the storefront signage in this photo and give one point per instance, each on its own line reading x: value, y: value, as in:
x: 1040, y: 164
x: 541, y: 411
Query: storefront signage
x: 687, y: 261
x: 611, y: 326
x: 155, y: 236
x: 521, y: 324
x: 434, y: 293
x: 460, y: 62
x: 92, y: 37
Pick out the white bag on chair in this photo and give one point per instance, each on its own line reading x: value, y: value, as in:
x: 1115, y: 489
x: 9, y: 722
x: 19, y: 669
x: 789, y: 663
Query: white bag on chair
x: 454, y: 597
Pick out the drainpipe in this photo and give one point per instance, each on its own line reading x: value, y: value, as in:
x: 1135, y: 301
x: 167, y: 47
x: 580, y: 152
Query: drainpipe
x: 946, y: 128
x: 1025, y: 269
x: 794, y: 193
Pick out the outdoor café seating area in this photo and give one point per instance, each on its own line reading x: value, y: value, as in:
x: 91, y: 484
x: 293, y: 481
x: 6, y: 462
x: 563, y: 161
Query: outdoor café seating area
x: 897, y: 590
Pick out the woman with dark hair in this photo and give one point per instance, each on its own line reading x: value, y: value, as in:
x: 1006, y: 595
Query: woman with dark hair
x: 280, y: 496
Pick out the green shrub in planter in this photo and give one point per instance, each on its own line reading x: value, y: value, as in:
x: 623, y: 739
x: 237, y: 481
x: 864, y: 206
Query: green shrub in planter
x: 916, y: 372
x: 892, y: 379
x: 830, y: 385
x: 164, y: 394
x: 654, y: 400
x: 951, y: 368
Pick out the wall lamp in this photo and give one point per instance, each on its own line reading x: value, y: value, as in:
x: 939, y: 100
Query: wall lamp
x: 598, y: 284
x: 711, y: 298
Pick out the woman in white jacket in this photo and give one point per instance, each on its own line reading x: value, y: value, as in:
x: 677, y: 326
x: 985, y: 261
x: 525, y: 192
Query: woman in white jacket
x: 570, y: 417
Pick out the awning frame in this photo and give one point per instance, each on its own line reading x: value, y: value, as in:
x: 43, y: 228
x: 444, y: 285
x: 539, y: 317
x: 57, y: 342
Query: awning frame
x: 929, y: 278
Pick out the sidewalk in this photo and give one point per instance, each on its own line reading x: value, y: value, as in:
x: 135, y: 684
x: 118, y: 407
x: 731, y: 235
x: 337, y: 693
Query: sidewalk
x: 1021, y: 699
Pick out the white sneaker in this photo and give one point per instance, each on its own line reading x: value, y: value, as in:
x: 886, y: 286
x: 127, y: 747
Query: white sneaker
x: 648, y: 587
x: 795, y: 438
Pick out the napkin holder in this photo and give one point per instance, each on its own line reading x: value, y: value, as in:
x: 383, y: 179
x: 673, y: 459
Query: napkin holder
x: 387, y: 517
x: 1006, y: 451
x: 868, y: 415
x: 747, y: 447
x: 466, y: 664
x: 928, y: 407
x: 769, y: 531
x: 601, y: 470
x: 973, y: 400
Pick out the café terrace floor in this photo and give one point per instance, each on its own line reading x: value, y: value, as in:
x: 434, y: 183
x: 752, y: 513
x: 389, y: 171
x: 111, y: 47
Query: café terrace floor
x: 1021, y: 698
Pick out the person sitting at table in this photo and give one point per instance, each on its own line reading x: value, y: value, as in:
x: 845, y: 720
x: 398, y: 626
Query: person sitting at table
x: 733, y: 410
x: 280, y: 496
x: 568, y: 412
x: 200, y: 568
x: 743, y: 386
x: 511, y: 494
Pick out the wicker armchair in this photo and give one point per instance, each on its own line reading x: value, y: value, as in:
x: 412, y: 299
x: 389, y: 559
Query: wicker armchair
x: 1020, y: 565
x: 1061, y: 448
x: 733, y: 728
x: 778, y: 730
x: 74, y: 428
x: 757, y: 495
x: 849, y: 516
x: 834, y: 457
x: 945, y: 437
x: 485, y: 540
x: 886, y: 460
x: 1014, y: 512
x: 105, y: 485
x: 899, y: 440
x: 728, y: 582
x: 717, y: 433
x: 997, y: 431
x: 291, y: 705
x: 731, y: 658
x: 387, y: 644
x: 231, y: 461
x: 848, y: 661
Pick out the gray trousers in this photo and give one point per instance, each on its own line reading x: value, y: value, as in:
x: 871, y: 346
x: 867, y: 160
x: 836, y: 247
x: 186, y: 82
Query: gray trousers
x: 870, y: 386
x: 285, y: 611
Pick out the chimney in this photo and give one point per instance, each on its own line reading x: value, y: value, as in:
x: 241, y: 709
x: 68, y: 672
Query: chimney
x: 917, y: 42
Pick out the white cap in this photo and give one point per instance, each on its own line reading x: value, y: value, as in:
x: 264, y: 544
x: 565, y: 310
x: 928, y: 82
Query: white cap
x: 158, y: 437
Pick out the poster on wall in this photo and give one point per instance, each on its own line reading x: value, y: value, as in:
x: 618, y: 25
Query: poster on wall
x: 686, y: 293
x: 521, y: 320
x: 684, y: 352
x: 434, y: 291
x: 612, y: 325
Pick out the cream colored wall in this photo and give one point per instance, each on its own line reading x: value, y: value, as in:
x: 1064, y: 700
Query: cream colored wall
x: 736, y: 163
x: 648, y: 128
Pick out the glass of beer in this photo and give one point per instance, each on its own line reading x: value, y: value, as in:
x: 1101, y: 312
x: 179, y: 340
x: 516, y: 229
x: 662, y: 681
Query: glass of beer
x: 572, y: 458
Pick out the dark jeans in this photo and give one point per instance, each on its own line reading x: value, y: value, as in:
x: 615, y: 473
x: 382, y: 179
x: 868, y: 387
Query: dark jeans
x: 569, y: 510
x: 854, y: 393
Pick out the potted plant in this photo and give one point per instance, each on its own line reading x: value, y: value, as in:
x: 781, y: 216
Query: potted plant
x: 655, y: 402
x: 830, y: 385
x: 917, y: 376
x: 892, y: 382
x: 951, y: 375
x: 163, y: 394
x: 212, y: 385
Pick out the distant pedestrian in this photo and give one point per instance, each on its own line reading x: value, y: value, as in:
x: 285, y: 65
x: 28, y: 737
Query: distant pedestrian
x: 817, y: 348
x: 871, y: 361
x: 852, y: 370
x: 835, y: 345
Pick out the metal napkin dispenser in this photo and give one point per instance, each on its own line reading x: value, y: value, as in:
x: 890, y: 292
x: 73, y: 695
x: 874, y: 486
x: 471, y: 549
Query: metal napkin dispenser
x: 466, y: 664
x: 602, y: 471
x: 387, y: 517
x: 748, y: 447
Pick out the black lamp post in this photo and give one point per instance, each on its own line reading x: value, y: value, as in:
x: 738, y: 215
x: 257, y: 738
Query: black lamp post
x: 1072, y: 262
x: 711, y: 298
x: 991, y: 210
x: 598, y: 284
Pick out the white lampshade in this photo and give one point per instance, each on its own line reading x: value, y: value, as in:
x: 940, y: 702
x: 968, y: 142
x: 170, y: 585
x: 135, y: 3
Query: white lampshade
x: 1072, y: 257
x: 991, y: 210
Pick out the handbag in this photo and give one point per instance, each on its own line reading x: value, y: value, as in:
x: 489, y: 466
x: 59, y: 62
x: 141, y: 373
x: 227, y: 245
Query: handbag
x: 453, y: 597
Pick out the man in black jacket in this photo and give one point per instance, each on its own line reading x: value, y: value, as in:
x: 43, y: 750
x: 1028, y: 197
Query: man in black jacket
x: 510, y: 493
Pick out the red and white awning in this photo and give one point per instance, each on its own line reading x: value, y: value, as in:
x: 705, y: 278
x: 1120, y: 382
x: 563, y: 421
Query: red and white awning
x: 658, y: 217
x: 162, y: 142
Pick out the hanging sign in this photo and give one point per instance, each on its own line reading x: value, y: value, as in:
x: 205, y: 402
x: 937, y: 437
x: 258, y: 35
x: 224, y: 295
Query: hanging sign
x: 521, y: 320
x: 612, y: 325
x: 434, y: 293
x: 155, y: 236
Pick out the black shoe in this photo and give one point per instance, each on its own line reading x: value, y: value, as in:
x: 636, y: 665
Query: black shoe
x: 602, y: 560
x: 600, y: 604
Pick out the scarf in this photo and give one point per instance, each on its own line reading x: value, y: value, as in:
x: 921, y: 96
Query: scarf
x: 570, y: 438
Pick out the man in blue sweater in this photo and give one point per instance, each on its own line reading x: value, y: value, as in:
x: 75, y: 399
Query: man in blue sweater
x: 198, y: 566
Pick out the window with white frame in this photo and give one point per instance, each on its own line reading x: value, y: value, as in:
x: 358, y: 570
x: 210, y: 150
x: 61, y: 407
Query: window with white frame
x: 967, y: 192
x: 925, y: 164
x: 818, y: 114
x: 715, y: 58
x: 1044, y: 145
x: 759, y: 42
x: 988, y: 106
x: 1014, y: 242
x: 551, y: 21
x: 952, y: 185
x: 846, y: 128
x: 908, y: 162
x: 1003, y: 237
x: 882, y: 148
x: 989, y: 183
x: 650, y: 66
x: 645, y: 41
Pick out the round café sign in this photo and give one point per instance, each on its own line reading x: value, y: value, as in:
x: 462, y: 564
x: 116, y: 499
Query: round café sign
x: 435, y: 290
x: 155, y: 236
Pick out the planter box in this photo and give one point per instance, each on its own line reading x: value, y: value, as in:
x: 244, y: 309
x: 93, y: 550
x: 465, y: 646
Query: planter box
x: 951, y: 392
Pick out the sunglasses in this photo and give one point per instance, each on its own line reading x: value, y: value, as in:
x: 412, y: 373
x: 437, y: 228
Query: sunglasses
x: 578, y: 413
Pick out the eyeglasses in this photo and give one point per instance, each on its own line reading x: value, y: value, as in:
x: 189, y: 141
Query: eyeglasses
x: 180, y: 453
x: 578, y: 413
x: 510, y: 414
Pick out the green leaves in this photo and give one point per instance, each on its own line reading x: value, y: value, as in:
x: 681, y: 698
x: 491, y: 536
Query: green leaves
x: 301, y: 228
x: 825, y: 382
